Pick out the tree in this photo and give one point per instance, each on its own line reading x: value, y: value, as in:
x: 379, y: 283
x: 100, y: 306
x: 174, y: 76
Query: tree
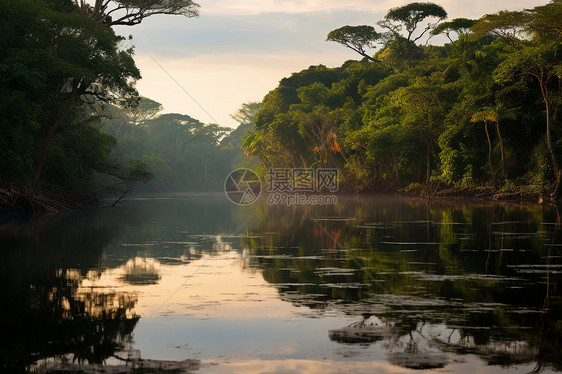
x: 486, y: 115
x: 356, y: 38
x: 391, y: 123
x: 139, y: 112
x: 541, y: 61
x: 409, y: 17
x: 133, y: 12
x: 498, y: 113
x: 538, y: 57
x: 461, y: 26
x: 87, y: 62
x: 233, y: 143
x: 24, y: 86
x: 247, y: 113
x: 426, y: 101
x: 100, y: 69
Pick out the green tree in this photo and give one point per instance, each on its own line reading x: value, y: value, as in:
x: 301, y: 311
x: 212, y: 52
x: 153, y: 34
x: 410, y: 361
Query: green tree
x: 87, y: 62
x: 486, y: 115
x: 460, y: 26
x: 24, y: 85
x: 133, y: 12
x: 233, y: 143
x: 356, y: 38
x: 139, y: 112
x: 427, y: 102
x: 538, y: 57
x: 247, y: 113
x: 499, y: 112
x: 96, y: 66
x: 409, y: 16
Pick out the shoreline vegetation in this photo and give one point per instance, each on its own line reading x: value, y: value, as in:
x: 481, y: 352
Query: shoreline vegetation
x: 476, y: 115
x: 435, y: 107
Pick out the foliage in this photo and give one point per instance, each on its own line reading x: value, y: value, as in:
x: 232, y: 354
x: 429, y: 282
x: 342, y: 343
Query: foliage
x: 57, y: 64
x: 409, y: 16
x: 461, y: 26
x: 356, y: 38
x: 414, y: 118
x: 132, y: 12
x: 61, y: 64
x: 181, y: 152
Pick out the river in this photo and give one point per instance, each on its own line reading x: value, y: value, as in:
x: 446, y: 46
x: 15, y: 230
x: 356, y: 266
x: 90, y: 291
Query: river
x: 372, y: 284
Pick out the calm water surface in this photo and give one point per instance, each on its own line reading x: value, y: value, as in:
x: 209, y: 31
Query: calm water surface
x: 382, y: 284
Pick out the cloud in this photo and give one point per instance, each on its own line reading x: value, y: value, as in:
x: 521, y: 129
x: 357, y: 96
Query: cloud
x: 219, y: 34
x: 237, y: 51
x: 255, y: 7
x: 456, y: 8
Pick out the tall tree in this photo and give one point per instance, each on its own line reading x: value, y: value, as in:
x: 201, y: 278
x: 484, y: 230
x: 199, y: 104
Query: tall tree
x: 537, y: 56
x: 87, y: 63
x: 356, y: 38
x: 97, y: 67
x: 426, y: 101
x: 141, y: 111
x: 500, y: 112
x: 133, y: 12
x: 486, y: 115
x: 460, y: 26
x: 247, y: 113
x: 409, y: 16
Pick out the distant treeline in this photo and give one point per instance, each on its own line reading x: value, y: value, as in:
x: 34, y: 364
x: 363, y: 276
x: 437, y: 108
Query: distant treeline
x: 479, y: 111
x: 181, y: 152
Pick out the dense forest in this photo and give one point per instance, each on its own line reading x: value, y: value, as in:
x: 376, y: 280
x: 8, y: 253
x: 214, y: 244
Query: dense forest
x: 477, y: 113
x: 73, y: 125
x: 180, y: 152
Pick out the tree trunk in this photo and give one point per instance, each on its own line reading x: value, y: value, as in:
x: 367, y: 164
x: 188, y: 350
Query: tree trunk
x: 118, y: 130
x: 551, y: 151
x: 490, y: 153
x: 54, y: 128
x: 501, y: 147
x: 427, y: 166
x: 555, y: 167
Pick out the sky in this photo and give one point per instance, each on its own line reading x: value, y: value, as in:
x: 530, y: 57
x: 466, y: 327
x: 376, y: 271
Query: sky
x: 237, y: 51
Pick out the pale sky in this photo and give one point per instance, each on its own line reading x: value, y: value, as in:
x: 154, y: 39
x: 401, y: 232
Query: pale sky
x: 237, y: 50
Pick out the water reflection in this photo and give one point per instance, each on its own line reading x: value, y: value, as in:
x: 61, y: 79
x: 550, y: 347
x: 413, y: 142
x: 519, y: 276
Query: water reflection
x: 461, y: 278
x: 53, y: 312
x: 44, y: 312
x: 141, y: 271
x: 387, y: 282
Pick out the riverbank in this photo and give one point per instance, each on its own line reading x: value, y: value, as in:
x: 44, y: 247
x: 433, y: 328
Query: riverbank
x: 14, y: 200
x: 483, y: 193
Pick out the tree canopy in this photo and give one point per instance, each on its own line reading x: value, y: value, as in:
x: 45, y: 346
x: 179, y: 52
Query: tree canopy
x: 420, y: 119
x: 409, y: 16
x: 133, y: 12
x: 61, y: 63
x: 356, y: 38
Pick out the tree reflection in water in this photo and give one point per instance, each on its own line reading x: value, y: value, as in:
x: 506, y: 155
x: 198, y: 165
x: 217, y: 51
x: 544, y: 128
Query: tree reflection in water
x: 141, y: 271
x: 423, y: 283
x: 446, y: 277
x: 50, y: 321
